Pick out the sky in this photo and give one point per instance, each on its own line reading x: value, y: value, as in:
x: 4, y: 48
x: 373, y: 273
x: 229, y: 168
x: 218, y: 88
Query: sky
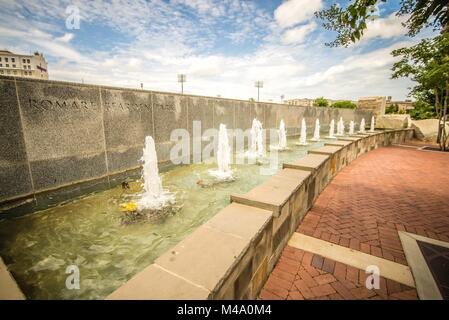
x: 223, y: 46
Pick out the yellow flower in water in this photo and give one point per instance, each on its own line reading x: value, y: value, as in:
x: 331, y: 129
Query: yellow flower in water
x: 129, y: 207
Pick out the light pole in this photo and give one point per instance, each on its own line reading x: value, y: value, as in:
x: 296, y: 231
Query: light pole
x: 182, y: 78
x: 258, y: 84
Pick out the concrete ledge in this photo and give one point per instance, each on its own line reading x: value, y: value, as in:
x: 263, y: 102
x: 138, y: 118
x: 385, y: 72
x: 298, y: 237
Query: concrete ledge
x: 326, y: 150
x: 275, y: 192
x: 338, y: 143
x: 155, y: 283
x: 351, y: 138
x: 310, y: 162
x: 9, y: 290
x: 196, y: 257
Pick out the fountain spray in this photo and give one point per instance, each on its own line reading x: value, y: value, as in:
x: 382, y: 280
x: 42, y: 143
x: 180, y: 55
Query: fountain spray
x: 316, y: 133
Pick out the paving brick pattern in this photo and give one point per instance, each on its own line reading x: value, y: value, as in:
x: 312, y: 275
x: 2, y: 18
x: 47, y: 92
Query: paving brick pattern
x: 301, y: 275
x: 382, y: 192
x: 363, y: 208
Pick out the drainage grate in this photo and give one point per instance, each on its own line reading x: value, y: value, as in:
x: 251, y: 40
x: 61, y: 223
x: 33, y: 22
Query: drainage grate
x: 437, y: 259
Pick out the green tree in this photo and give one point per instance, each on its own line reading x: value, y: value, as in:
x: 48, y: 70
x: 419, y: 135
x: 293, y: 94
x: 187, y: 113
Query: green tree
x: 422, y: 110
x: 427, y: 63
x: 321, y: 102
x: 351, y: 22
x: 393, y: 108
x: 344, y: 105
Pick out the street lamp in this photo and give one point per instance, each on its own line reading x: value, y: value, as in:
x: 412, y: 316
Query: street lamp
x: 258, y: 84
x: 182, y: 78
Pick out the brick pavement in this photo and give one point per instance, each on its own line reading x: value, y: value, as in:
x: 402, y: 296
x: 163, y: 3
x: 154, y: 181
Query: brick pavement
x: 363, y: 208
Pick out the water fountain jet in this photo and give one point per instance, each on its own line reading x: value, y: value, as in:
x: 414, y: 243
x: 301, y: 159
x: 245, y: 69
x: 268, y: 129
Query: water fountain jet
x: 224, y: 171
x: 331, y: 130
x: 153, y: 197
x: 303, y: 136
x: 316, y: 133
x: 372, y: 125
x: 351, y: 127
x: 256, y: 148
x: 362, y: 126
x: 282, y: 135
x: 340, y: 127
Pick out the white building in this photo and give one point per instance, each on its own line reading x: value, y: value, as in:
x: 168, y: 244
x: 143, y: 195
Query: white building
x: 19, y: 65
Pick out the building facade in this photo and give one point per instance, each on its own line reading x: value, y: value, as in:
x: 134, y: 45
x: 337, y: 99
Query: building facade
x: 19, y: 65
x: 403, y: 106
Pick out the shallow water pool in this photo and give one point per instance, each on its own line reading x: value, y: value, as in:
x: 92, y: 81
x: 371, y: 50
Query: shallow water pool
x: 87, y: 232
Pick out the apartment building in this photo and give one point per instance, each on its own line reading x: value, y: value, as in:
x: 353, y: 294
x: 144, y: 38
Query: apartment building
x: 19, y: 65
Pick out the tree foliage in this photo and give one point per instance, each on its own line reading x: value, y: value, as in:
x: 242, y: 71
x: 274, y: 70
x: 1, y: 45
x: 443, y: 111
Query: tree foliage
x: 427, y: 63
x: 344, y: 105
x: 351, y: 22
x: 422, y: 110
x: 393, y: 108
x: 321, y: 102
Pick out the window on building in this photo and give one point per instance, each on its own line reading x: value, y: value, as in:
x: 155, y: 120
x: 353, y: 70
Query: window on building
x: 15, y: 72
x: 28, y: 60
x: 13, y: 60
x: 6, y: 59
x: 23, y: 60
x: 29, y: 67
x: 7, y: 65
x: 1, y: 65
x: 0, y: 58
x: 24, y: 67
x: 13, y: 65
x: 1, y: 71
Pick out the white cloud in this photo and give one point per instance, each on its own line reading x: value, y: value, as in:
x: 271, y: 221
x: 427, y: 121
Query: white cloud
x: 204, y: 6
x: 292, y: 12
x: 358, y: 75
x: 166, y: 40
x: 67, y: 37
x: 298, y: 34
x: 356, y: 66
x: 44, y: 42
x: 206, y: 66
x: 385, y: 28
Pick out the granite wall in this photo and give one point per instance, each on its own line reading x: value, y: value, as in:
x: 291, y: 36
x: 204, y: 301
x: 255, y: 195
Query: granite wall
x: 376, y: 105
x: 59, y: 139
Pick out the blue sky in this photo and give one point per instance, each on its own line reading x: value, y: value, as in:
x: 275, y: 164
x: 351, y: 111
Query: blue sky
x: 222, y: 45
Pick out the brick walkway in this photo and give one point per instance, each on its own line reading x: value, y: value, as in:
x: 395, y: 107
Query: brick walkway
x: 363, y: 208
